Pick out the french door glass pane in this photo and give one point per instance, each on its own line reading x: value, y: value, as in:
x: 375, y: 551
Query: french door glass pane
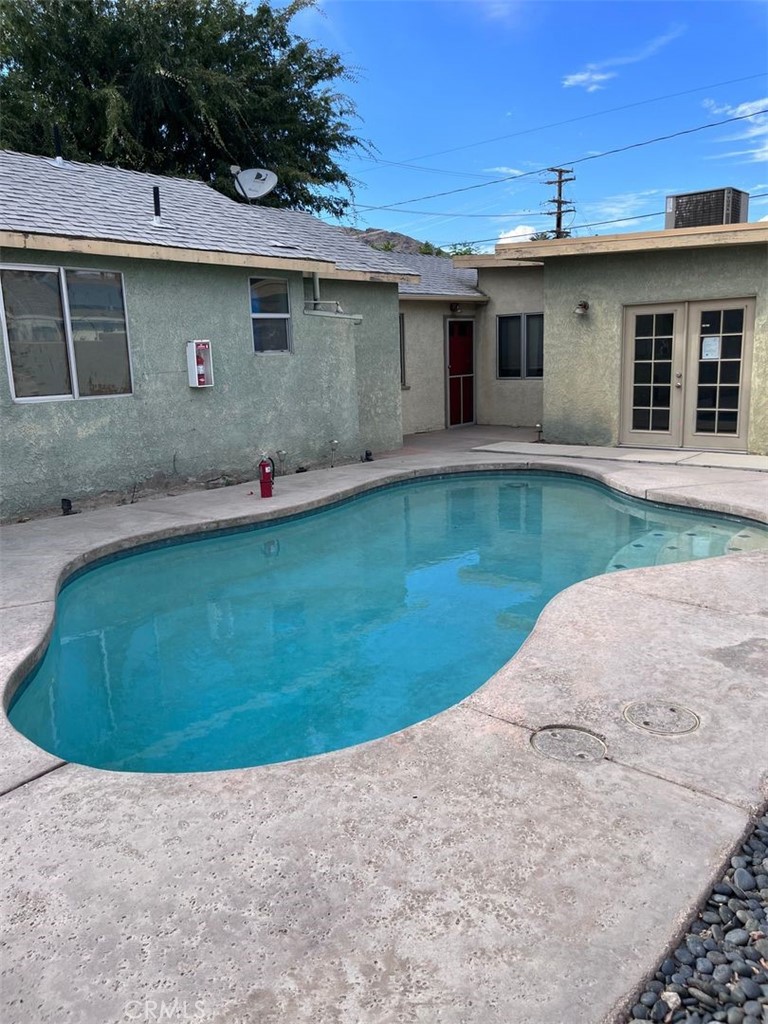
x: 652, y: 374
x: 98, y: 332
x: 719, y: 371
x: 36, y: 335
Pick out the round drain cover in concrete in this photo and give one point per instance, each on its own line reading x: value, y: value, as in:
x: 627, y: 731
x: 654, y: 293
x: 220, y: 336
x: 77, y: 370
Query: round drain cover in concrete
x: 663, y: 719
x: 567, y: 743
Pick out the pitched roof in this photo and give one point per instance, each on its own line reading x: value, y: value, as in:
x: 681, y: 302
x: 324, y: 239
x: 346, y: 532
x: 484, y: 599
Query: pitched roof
x: 40, y: 196
x: 438, y: 276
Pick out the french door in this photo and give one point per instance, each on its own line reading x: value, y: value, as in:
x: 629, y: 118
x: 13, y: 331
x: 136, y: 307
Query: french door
x: 686, y: 374
x: 461, y: 372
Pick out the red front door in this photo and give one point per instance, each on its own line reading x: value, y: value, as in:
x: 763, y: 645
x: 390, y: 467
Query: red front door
x: 461, y: 372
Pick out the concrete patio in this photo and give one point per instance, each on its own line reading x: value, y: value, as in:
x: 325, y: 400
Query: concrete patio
x: 446, y: 874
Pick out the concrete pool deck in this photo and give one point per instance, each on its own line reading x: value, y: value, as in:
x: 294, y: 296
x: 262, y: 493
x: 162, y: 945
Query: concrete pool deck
x: 447, y: 873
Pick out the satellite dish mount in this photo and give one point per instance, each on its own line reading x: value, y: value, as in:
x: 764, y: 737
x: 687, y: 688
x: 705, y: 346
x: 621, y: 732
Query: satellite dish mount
x: 253, y: 183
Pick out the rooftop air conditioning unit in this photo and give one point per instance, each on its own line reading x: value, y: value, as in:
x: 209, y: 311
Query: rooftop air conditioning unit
x: 698, y: 209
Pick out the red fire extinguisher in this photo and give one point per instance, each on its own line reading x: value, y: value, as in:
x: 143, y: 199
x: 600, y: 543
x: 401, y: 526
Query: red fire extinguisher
x: 266, y: 473
x: 200, y: 364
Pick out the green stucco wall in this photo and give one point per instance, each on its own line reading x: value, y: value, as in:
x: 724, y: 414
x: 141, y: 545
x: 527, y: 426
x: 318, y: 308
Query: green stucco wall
x: 341, y: 381
x: 583, y: 355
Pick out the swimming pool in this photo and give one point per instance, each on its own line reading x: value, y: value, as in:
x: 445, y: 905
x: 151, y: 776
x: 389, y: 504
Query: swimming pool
x: 326, y: 630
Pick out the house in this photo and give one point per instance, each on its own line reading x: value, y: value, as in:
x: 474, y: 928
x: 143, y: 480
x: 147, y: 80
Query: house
x: 102, y: 292
x: 651, y: 339
x: 453, y: 370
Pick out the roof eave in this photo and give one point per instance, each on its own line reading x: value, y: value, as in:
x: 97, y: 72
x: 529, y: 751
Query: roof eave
x: 148, y: 251
x: 645, y: 241
x: 443, y: 297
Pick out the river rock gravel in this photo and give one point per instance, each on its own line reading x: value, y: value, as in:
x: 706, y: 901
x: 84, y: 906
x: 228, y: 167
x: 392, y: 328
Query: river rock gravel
x: 719, y: 971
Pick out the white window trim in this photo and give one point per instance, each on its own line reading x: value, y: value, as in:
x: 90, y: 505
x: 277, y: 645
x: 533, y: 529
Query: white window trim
x: 288, y: 350
x: 69, y: 341
x: 523, y: 344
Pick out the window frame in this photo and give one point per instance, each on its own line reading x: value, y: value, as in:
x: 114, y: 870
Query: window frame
x: 288, y: 317
x: 524, y: 375
x: 403, y: 378
x: 61, y: 272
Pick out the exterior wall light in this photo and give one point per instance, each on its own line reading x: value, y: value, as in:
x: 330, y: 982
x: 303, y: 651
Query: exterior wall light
x: 455, y: 307
x: 582, y: 308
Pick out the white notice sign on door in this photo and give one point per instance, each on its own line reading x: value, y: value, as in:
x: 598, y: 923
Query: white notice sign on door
x: 710, y: 348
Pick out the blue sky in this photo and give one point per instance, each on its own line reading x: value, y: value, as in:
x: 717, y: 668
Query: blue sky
x: 467, y: 91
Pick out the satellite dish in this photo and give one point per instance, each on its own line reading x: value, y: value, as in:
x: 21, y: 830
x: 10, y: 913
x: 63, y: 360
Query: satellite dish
x: 254, y: 182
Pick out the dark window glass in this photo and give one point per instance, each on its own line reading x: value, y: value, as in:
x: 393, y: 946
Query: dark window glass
x: 665, y: 323
x: 641, y: 396
x: 661, y: 397
x: 711, y: 321
x: 660, y: 419
x: 727, y: 422
x: 269, y: 296
x: 534, y: 345
x: 270, y: 335
x: 731, y: 347
x: 662, y: 373
x: 98, y: 332
x: 643, y: 348
x: 729, y: 398
x: 733, y: 321
x: 642, y: 373
x: 644, y: 325
x: 662, y: 348
x: 641, y: 419
x: 36, y: 335
x: 730, y: 373
x: 707, y: 398
x: 510, y: 346
x: 705, y: 421
x: 708, y: 371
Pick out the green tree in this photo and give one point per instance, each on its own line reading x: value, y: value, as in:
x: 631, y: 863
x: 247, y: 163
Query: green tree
x: 179, y: 87
x: 463, y: 249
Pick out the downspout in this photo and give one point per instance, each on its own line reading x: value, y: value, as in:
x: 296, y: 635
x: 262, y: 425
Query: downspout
x: 316, y: 289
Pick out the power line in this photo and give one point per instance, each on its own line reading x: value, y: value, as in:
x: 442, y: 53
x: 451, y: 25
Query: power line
x: 578, y: 160
x: 560, y: 124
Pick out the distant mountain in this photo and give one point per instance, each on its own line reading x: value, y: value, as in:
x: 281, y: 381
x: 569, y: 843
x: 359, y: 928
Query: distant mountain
x: 393, y: 241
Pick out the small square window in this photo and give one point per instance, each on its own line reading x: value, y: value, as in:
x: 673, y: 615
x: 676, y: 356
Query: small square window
x: 270, y: 315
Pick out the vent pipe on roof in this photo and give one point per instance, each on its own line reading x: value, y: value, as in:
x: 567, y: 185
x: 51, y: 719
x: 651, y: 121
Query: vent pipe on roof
x: 57, y: 145
x: 156, y: 198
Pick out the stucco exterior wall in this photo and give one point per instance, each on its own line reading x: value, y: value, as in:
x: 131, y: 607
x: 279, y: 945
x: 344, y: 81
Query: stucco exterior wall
x: 583, y: 355
x: 506, y: 402
x: 340, y: 381
x: 423, y: 398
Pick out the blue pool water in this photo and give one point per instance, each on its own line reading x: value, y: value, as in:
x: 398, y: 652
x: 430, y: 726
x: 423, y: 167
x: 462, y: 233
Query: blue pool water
x: 324, y: 631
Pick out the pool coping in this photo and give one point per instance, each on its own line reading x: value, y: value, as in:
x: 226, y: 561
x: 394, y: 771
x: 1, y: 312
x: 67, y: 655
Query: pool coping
x: 38, y: 556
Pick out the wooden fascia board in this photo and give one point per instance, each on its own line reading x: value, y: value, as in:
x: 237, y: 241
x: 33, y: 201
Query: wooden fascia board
x: 489, y: 262
x: 651, y: 241
x: 136, y: 250
x: 476, y: 300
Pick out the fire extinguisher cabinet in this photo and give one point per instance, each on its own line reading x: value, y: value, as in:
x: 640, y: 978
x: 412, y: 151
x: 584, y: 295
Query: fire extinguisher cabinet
x: 199, y: 364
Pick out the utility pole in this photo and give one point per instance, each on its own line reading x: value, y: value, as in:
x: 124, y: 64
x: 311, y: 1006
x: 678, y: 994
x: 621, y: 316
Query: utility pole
x: 561, y: 205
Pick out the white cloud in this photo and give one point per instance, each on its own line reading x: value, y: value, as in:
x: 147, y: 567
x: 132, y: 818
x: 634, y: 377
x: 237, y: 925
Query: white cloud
x: 753, y: 131
x: 764, y: 218
x: 502, y: 170
x: 594, y: 74
x: 589, y: 79
x: 522, y: 233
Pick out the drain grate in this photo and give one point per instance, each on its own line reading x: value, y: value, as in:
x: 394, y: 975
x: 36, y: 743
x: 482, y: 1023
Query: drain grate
x: 567, y: 743
x: 660, y: 718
